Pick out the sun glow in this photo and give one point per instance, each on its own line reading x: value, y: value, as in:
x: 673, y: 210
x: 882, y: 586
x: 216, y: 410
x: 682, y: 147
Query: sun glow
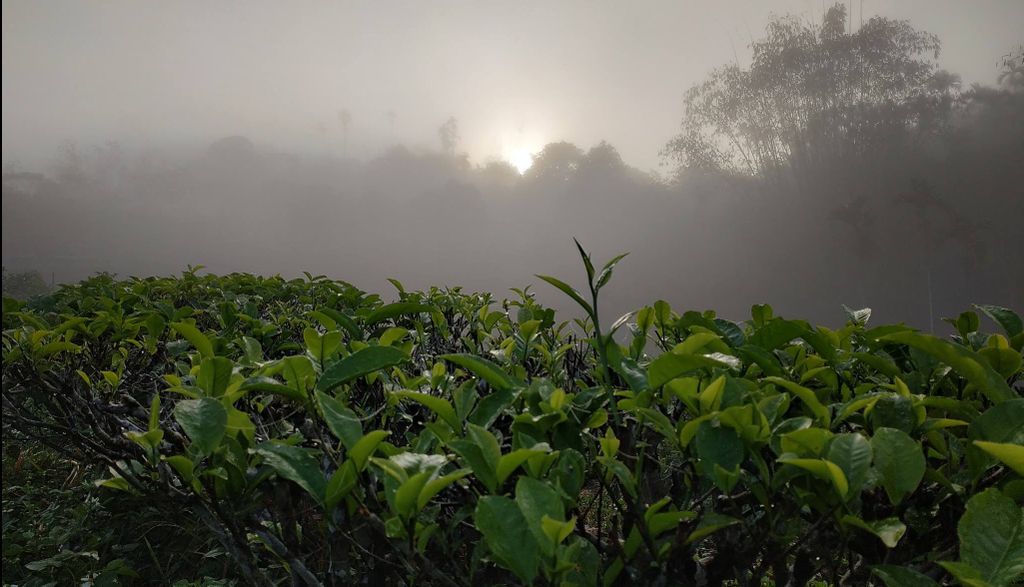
x: 519, y: 144
x: 520, y: 158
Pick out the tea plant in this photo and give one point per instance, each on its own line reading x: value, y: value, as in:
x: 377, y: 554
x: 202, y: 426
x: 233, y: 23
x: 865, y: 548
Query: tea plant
x: 323, y: 436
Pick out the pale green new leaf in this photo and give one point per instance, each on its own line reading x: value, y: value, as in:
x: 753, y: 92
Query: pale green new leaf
x: 438, y: 405
x: 434, y: 486
x: 362, y: 450
x: 822, y: 469
x: 510, y: 462
x: 1012, y: 455
x: 807, y: 396
x: 484, y: 369
x: 889, y: 530
x: 194, y: 336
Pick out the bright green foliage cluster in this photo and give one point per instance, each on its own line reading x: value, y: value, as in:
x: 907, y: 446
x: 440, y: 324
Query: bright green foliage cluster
x: 328, y: 437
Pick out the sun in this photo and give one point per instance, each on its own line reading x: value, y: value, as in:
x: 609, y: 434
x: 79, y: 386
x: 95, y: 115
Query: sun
x: 521, y: 158
x: 519, y: 145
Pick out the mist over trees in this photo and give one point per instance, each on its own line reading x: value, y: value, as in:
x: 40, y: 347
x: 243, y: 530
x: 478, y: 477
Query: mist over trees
x: 816, y: 96
x: 840, y: 167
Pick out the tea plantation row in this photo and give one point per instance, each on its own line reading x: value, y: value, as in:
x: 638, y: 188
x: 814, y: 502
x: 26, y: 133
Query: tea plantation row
x: 322, y: 436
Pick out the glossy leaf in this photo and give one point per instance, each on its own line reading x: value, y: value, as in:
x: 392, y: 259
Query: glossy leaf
x: 536, y: 499
x: 1005, y: 317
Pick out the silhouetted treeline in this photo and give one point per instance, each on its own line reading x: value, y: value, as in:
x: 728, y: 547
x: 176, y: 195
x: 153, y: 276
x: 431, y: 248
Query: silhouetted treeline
x: 916, y: 213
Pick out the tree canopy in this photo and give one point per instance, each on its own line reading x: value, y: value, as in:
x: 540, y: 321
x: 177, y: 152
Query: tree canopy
x: 814, y: 94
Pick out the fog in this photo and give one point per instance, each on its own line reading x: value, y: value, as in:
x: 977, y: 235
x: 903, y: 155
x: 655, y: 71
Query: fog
x: 139, y: 138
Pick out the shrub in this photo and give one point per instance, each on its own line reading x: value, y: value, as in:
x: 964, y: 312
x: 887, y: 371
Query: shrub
x: 322, y: 435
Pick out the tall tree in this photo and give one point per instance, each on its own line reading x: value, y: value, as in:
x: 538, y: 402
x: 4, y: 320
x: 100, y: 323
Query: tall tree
x: 449, y: 135
x: 556, y: 163
x: 813, y: 95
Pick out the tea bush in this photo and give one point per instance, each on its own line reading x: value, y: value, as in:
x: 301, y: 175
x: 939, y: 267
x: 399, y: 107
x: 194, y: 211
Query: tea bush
x: 323, y: 436
x: 60, y: 529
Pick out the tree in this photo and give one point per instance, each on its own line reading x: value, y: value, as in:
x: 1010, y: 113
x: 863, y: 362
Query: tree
x: 449, y: 134
x: 814, y: 95
x: 1012, y: 68
x: 602, y: 158
x: 24, y: 284
x: 498, y: 175
x: 556, y: 162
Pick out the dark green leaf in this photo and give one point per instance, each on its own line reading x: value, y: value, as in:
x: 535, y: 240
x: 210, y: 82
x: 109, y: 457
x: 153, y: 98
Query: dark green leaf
x: 297, y: 465
x: 358, y: 364
x: 204, y: 421
x: 214, y: 375
x: 852, y: 453
x: 537, y: 499
x: 508, y: 536
x: 899, y: 461
x: 342, y: 422
x: 569, y: 291
x: 1005, y: 317
x: 992, y: 537
x: 895, y: 576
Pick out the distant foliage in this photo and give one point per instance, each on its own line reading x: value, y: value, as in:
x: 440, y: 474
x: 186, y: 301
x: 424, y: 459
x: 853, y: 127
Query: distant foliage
x: 815, y: 95
x: 23, y: 285
x: 324, y: 436
x: 449, y: 135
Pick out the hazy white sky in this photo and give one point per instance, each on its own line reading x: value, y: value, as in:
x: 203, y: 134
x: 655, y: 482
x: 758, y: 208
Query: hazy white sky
x: 516, y: 74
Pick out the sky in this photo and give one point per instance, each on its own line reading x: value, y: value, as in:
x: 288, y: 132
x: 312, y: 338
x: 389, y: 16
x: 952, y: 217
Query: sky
x: 515, y: 75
